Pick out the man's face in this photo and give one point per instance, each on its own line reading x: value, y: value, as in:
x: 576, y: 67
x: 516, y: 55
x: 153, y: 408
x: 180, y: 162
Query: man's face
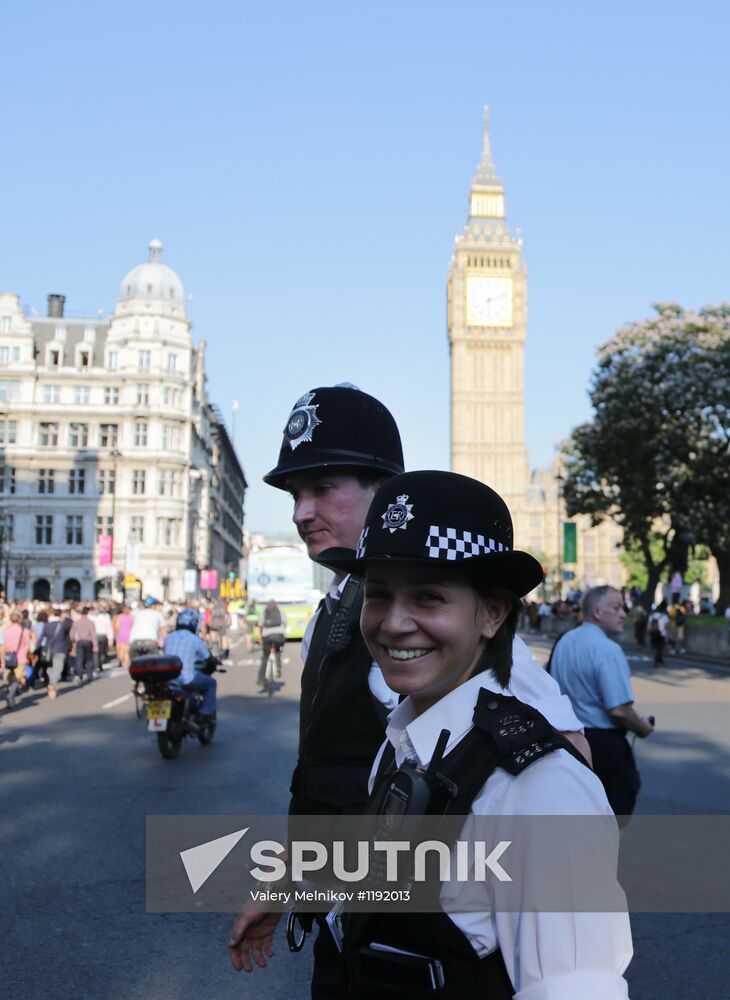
x: 609, y: 614
x: 329, y: 508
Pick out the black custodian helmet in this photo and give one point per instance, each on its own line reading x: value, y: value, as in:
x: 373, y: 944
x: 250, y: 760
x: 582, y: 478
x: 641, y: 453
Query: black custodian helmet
x: 338, y: 425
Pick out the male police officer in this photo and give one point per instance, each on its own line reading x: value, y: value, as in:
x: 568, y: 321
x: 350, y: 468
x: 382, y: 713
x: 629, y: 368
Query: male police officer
x: 339, y: 445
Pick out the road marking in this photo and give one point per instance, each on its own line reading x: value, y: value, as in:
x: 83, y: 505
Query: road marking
x: 118, y: 701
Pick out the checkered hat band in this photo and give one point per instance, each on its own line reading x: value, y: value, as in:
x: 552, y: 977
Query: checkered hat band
x: 450, y: 543
x: 360, y: 552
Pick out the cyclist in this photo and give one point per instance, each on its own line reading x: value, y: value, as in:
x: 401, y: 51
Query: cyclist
x: 185, y: 642
x: 273, y: 636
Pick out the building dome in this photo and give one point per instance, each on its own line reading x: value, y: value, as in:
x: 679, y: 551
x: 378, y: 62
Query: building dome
x: 153, y: 280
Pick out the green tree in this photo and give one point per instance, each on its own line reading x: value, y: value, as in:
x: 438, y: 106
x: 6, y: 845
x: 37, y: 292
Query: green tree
x: 657, y: 449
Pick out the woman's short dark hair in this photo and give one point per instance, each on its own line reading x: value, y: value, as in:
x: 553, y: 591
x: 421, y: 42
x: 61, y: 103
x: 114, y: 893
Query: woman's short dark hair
x: 498, y: 652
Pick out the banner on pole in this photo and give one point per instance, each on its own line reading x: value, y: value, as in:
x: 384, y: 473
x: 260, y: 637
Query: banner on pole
x: 570, y: 542
x: 105, y: 550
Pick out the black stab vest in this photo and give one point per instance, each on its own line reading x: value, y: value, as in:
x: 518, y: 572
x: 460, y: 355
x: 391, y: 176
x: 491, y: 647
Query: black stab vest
x: 341, y: 726
x: 509, y: 734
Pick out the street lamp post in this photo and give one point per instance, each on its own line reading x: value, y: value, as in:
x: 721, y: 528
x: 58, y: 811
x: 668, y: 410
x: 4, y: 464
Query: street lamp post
x: 559, y: 479
x: 115, y: 455
x: 4, y: 551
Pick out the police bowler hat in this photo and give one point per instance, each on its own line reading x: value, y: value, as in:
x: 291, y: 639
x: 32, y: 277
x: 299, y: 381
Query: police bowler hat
x: 338, y: 426
x: 441, y: 517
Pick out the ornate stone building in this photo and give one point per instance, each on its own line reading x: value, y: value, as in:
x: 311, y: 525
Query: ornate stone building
x: 106, y: 430
x: 487, y: 326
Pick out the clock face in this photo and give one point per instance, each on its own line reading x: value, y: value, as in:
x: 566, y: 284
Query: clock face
x: 488, y: 301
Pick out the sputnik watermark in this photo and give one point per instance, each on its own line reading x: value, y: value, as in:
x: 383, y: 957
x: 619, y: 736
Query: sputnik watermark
x: 382, y: 859
x: 464, y: 861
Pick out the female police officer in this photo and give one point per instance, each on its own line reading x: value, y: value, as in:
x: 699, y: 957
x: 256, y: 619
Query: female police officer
x: 442, y: 590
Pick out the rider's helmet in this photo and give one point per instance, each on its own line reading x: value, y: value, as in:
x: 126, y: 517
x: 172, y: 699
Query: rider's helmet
x: 338, y: 426
x: 188, y: 618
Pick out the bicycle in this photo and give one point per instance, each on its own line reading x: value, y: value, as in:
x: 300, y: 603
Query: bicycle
x: 272, y: 673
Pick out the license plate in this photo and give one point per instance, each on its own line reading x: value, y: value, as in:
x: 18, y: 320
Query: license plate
x: 156, y: 725
x: 159, y: 709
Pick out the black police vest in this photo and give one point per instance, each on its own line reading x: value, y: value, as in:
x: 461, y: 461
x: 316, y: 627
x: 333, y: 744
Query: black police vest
x: 509, y: 734
x: 341, y: 726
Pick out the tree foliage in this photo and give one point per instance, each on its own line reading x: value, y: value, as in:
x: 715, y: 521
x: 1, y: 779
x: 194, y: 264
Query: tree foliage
x: 656, y: 453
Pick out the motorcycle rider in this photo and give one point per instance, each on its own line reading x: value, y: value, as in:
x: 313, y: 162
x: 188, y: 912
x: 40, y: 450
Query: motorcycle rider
x: 185, y: 643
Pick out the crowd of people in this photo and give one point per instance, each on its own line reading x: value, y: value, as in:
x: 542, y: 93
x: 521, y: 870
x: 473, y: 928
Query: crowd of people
x: 43, y: 645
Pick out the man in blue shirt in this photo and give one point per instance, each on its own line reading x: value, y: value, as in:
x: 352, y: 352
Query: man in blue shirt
x: 593, y: 671
x: 185, y: 643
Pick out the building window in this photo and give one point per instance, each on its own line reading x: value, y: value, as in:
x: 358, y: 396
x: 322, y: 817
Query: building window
x: 106, y: 481
x: 44, y: 529
x: 140, y: 434
x: 7, y: 534
x: 51, y: 393
x: 7, y: 479
x: 60, y: 334
x: 9, y: 353
x: 108, y: 434
x: 8, y: 431
x: 144, y: 359
x: 168, y: 483
x: 104, y: 526
x: 167, y: 531
x: 143, y: 395
x: 48, y: 435
x: 138, y: 482
x: 81, y: 394
x: 74, y: 529
x: 172, y: 362
x: 5, y: 324
x: 136, y: 528
x: 78, y: 435
x: 83, y: 358
x: 170, y: 437
x: 54, y: 357
x: 77, y: 481
x: 9, y: 392
x: 170, y: 396
x: 112, y: 360
x: 111, y: 395
x: 46, y: 480
x: 89, y: 335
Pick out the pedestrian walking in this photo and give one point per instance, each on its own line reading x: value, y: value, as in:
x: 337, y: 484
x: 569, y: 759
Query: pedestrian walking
x: 83, y: 646
x: 657, y: 627
x: 102, y: 622
x: 592, y: 669
x: 56, y: 640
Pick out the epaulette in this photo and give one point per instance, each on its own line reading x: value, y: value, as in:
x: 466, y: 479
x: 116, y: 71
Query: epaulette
x: 520, y: 733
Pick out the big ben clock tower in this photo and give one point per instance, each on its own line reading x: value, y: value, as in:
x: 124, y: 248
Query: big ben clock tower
x: 487, y: 321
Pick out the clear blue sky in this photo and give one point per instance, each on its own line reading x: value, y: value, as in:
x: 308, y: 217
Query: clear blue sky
x: 307, y: 167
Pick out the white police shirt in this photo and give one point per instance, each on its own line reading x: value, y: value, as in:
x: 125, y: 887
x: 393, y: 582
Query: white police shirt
x: 549, y: 956
x: 528, y: 682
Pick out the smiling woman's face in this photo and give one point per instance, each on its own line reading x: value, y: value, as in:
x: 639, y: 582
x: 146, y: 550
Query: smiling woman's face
x: 426, y: 627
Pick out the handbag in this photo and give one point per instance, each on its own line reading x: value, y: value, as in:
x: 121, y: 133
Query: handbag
x: 11, y: 657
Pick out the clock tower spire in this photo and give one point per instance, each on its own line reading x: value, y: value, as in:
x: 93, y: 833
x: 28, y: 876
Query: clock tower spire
x: 487, y: 322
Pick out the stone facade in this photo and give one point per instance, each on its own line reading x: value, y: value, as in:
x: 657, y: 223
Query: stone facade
x: 106, y: 429
x: 487, y: 326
